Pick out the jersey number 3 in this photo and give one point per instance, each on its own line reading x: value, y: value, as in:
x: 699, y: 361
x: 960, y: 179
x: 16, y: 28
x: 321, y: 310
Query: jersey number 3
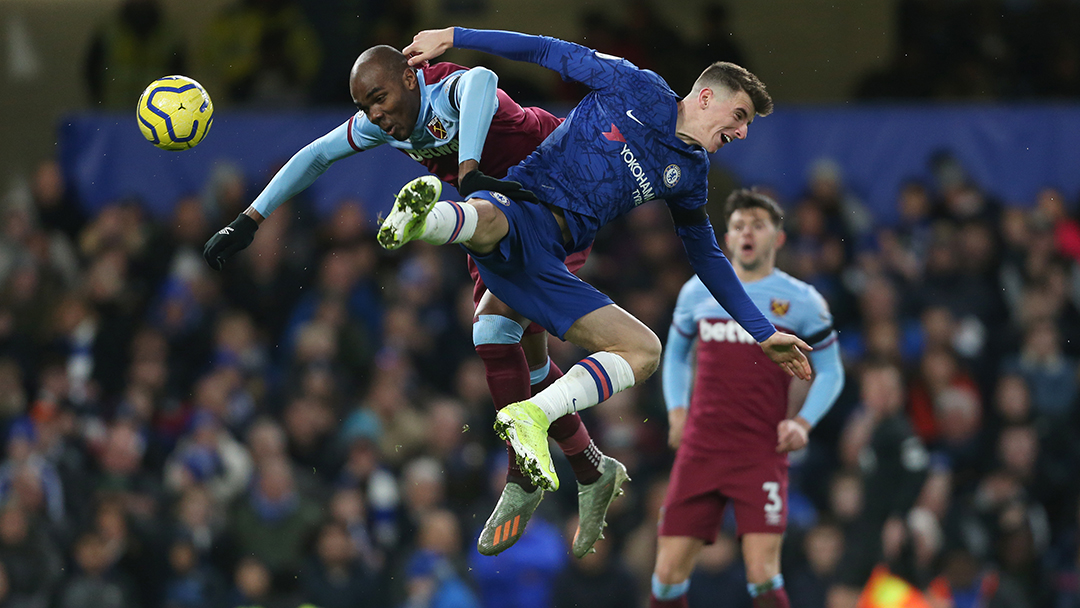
x: 775, y: 506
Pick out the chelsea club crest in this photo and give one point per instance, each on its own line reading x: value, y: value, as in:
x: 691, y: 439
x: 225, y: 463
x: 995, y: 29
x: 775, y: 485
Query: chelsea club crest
x: 671, y: 175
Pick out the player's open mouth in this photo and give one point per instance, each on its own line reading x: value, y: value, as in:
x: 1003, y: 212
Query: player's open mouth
x: 748, y: 248
x: 725, y: 138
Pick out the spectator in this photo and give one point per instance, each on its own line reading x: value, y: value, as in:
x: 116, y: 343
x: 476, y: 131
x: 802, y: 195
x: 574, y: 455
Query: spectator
x: 262, y: 52
x: 274, y: 522
x: 334, y: 576
x: 190, y: 583
x: 136, y: 46
x: 431, y: 583
x: 598, y: 580
x: 94, y: 584
x: 30, y: 559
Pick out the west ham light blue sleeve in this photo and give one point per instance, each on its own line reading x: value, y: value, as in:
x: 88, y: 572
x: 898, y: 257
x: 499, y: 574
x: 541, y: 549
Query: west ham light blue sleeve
x: 304, y: 168
x: 572, y: 61
x: 827, y: 384
x: 678, y: 370
x: 715, y: 271
x: 478, y: 103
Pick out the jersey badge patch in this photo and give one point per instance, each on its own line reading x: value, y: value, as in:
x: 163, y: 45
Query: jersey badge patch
x: 671, y: 175
x: 779, y: 307
x: 436, y: 128
x: 499, y: 196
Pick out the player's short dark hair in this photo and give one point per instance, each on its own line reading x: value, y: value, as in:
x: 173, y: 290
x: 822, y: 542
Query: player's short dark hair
x: 748, y: 198
x: 737, y: 78
x: 385, y: 57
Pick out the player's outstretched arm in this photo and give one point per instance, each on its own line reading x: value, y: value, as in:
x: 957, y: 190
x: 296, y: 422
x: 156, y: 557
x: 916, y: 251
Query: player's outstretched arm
x: 789, y: 352
x: 300, y: 172
x: 572, y: 61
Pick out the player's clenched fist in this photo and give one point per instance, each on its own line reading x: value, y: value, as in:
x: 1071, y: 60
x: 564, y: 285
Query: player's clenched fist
x: 229, y: 240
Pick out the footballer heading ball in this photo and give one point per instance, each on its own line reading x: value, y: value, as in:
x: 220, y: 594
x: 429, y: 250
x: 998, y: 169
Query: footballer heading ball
x: 175, y: 113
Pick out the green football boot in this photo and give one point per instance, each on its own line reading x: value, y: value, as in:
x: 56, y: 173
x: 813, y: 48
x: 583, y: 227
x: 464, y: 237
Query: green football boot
x: 508, y: 520
x: 593, y: 502
x: 525, y: 426
x: 409, y: 213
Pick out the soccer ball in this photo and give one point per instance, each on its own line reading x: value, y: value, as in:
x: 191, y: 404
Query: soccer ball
x: 175, y: 113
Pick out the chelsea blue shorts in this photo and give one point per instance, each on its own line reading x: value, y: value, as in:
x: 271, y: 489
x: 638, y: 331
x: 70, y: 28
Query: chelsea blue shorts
x: 527, y: 270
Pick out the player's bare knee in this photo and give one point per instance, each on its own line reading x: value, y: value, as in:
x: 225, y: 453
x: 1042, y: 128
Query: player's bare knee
x: 671, y: 571
x: 648, y: 356
x: 491, y: 226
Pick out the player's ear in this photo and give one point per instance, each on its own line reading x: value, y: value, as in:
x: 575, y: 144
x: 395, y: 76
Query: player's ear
x: 409, y: 79
x: 727, y: 238
x: 781, y: 238
x: 705, y: 96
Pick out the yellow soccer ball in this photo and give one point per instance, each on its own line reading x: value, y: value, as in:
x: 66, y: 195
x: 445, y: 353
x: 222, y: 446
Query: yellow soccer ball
x: 174, y: 113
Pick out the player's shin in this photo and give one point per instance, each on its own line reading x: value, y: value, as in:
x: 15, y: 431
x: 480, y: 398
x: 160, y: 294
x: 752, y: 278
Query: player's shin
x: 497, y: 342
x: 569, y: 432
x: 668, y: 596
x: 770, y: 594
x: 592, y: 380
x: 450, y: 222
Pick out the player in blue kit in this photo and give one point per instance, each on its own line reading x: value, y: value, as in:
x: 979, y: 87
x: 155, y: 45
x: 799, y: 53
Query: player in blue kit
x: 629, y: 141
x: 457, y: 123
x: 728, y: 410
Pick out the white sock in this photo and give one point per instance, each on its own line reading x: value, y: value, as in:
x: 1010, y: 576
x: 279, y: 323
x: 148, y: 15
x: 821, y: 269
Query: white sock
x: 590, y: 381
x: 449, y: 222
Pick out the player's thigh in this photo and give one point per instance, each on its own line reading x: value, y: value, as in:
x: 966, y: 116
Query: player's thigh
x: 675, y: 558
x: 491, y: 305
x: 612, y: 329
x: 761, y: 554
x: 491, y: 226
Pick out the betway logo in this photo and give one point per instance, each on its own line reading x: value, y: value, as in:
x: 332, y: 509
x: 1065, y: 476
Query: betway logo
x: 644, y: 191
x: 443, y: 150
x: 724, y: 331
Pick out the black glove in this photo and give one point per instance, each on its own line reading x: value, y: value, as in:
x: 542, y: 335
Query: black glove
x: 230, y: 239
x: 475, y: 180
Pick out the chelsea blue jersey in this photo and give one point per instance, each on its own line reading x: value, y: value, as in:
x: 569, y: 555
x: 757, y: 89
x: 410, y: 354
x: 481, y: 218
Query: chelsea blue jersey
x: 616, y: 149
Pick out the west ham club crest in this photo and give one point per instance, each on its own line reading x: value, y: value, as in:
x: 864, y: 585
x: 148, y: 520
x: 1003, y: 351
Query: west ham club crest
x: 436, y: 128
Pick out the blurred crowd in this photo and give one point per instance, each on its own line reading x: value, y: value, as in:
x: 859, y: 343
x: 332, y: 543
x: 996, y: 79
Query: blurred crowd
x: 311, y: 426
x: 294, y: 53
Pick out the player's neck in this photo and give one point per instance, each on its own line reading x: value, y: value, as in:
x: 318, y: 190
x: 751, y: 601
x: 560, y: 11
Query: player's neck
x: 749, y: 275
x: 683, y: 126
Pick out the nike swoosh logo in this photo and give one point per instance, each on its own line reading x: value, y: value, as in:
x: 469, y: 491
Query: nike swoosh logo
x: 629, y: 113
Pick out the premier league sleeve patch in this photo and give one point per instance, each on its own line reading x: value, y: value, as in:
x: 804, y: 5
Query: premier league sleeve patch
x: 671, y: 175
x: 436, y: 128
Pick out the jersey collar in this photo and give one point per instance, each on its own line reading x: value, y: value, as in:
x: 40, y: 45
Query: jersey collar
x: 425, y: 105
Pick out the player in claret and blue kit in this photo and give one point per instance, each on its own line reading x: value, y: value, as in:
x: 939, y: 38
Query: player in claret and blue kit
x: 631, y: 140
x: 466, y: 131
x: 733, y: 443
